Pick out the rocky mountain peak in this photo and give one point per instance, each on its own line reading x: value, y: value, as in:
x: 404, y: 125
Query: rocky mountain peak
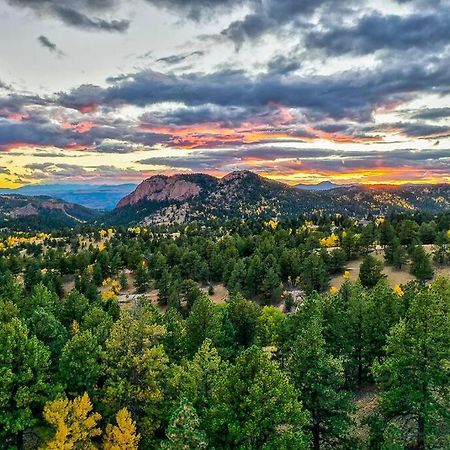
x: 161, y: 188
x: 240, y: 175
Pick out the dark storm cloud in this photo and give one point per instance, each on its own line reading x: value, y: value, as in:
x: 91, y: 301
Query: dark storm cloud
x: 283, y: 65
x: 218, y: 159
x: 431, y: 114
x: 378, y: 31
x: 176, y: 59
x: 303, y: 159
x: 422, y: 130
x: 39, y: 130
x: 196, y: 9
x: 78, y: 13
x: 15, y: 103
x: 45, y: 42
x: 4, y: 86
x: 352, y: 94
x: 231, y: 116
x: 273, y: 14
x: 34, y: 133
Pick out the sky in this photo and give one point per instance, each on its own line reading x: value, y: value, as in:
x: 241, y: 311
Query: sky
x: 301, y: 91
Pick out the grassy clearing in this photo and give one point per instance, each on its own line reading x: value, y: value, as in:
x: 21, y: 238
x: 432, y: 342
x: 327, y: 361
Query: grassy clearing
x: 394, y: 277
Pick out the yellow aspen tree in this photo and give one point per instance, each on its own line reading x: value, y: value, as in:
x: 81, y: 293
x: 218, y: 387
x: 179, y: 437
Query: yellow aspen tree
x: 122, y: 436
x: 74, y: 422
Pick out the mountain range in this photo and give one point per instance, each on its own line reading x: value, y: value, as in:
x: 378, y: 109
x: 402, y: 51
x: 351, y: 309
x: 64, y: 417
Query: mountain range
x: 200, y: 197
x: 103, y: 197
x: 42, y: 212
x: 183, y: 198
x: 322, y: 186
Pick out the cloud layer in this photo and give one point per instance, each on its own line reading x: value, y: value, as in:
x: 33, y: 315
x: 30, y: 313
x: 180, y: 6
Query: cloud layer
x: 297, y: 90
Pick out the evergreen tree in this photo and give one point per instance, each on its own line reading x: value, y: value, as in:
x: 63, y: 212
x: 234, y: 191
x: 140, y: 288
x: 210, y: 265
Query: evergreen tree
x: 395, y: 254
x: 190, y: 293
x: 197, y: 379
x: 421, y: 266
x: 183, y: 431
x: 80, y: 364
x: 414, y: 377
x: 271, y: 287
x: 243, y: 315
x: 320, y: 379
x: 203, y: 322
x: 74, y: 306
x: 49, y: 330
x: 255, y: 406
x: 141, y: 281
x: 314, y: 276
x: 136, y: 372
x: 371, y: 271
x: 24, y: 381
x: 387, y: 233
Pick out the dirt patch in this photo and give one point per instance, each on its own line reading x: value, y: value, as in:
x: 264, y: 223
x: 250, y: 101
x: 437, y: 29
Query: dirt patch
x: 220, y: 293
x: 366, y: 403
x: 394, y: 276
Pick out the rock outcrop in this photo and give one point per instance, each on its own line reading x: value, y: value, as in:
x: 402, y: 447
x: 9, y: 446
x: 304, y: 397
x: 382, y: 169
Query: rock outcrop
x: 162, y: 188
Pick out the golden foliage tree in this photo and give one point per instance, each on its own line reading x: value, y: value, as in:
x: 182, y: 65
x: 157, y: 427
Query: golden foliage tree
x: 74, y: 421
x: 122, y: 436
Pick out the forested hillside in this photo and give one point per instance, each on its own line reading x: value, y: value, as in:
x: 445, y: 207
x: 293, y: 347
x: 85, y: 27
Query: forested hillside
x: 227, y: 336
x: 184, y: 198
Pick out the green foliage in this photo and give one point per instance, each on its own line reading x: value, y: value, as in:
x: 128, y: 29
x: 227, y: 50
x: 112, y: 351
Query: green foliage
x: 421, y: 266
x: 24, y: 380
x: 191, y: 372
x: 202, y: 323
x: 80, y: 364
x: 183, y: 431
x: 319, y: 378
x: 395, y: 254
x: 141, y: 281
x: 136, y: 371
x: 415, y: 375
x: 314, y: 276
x: 370, y: 272
x: 255, y: 405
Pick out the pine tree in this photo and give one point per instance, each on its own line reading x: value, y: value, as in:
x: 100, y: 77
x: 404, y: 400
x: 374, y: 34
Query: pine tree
x: 141, y: 281
x: 122, y: 436
x: 74, y: 422
x: 415, y: 376
x: 203, y: 322
x: 24, y: 380
x: 320, y: 379
x: 80, y: 364
x: 370, y: 271
x: 136, y: 371
x: 183, y: 432
x: 197, y: 379
x: 421, y: 266
x: 256, y: 406
x: 395, y: 254
x: 314, y: 276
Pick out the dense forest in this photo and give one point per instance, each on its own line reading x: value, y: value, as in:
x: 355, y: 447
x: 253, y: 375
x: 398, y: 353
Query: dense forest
x: 114, y: 338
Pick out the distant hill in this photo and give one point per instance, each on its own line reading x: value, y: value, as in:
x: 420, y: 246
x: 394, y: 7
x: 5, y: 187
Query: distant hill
x: 41, y: 212
x: 322, y: 186
x: 103, y: 197
x: 187, y: 197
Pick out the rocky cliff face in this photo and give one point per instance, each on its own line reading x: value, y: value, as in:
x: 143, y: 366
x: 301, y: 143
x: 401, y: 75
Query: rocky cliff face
x: 162, y: 188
